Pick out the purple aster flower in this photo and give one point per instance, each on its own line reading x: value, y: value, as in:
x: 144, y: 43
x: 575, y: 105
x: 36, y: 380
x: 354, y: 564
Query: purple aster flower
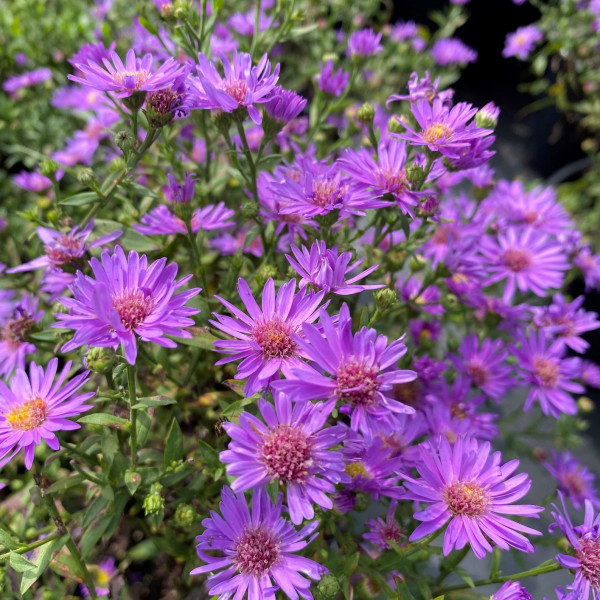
x: 521, y: 42
x: 590, y: 373
x: 28, y: 79
x: 364, y: 43
x: 590, y: 268
x: 382, y: 532
x: 332, y: 82
x: 258, y: 549
x: 326, y: 270
x: 34, y: 407
x: 242, y: 85
x: 227, y: 244
x: 64, y: 250
x: 358, y: 370
x: 484, y: 365
x: 452, y: 50
x: 102, y: 575
x: 574, y: 479
x: 244, y: 23
x: 567, y: 321
x: 404, y: 30
x: 446, y: 130
x: 180, y: 193
x: 386, y: 175
x: 547, y: 374
x: 428, y: 369
x: 584, y: 557
x: 511, y: 590
x: 95, y: 53
x: 425, y: 298
x: 424, y: 89
x: 136, y: 75
x: 524, y: 258
x: 161, y: 221
x: 470, y: 489
x: 291, y: 445
x: 265, y: 339
x: 284, y: 105
x: 127, y: 298
x: 15, y: 331
x: 32, y: 181
x: 171, y: 102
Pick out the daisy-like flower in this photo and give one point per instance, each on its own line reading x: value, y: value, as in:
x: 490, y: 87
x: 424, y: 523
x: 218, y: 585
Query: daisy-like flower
x: 326, y: 270
x: 126, y: 299
x: 469, y: 489
x: 136, y: 75
x: 573, y: 479
x: 291, y: 445
x: 358, y: 370
x: 332, y: 82
x: 36, y: 406
x: 567, y: 321
x: 64, y: 253
x: 422, y: 88
x: 265, y: 339
x: 102, y: 574
x: 364, y: 42
x: 521, y: 42
x: 484, y: 365
x: 525, y: 259
x: 28, y: 79
x: 242, y: 86
x: 284, y: 105
x: 382, y: 532
x: 547, y: 374
x: 14, y: 332
x: 449, y: 51
x: 511, y: 590
x: 443, y: 129
x: 584, y: 558
x: 387, y: 175
x: 589, y: 264
x: 161, y: 221
x: 258, y: 550
x: 32, y: 181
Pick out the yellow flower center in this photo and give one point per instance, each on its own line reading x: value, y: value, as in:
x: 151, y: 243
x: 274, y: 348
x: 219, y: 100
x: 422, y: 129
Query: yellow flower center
x: 437, y: 131
x: 28, y: 416
x: 355, y: 469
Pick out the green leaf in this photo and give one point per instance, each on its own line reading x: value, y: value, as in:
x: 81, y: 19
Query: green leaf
x: 149, y: 27
x: 201, y: 338
x: 236, y: 407
x: 174, y: 445
x: 132, y: 481
x: 105, y: 420
x: 153, y: 401
x: 145, y: 550
x: 144, y: 421
x: 66, y: 483
x: 80, y: 199
x: 93, y: 510
x: 19, y: 563
x: 48, y: 335
x: 7, y: 540
x: 41, y: 562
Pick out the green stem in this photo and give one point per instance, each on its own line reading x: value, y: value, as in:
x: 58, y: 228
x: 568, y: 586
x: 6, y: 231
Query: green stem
x: 196, y: 260
x: 256, y: 27
x: 62, y: 530
x: 449, y: 566
x: 132, y: 415
x: 249, y: 159
x: 33, y: 545
x: 539, y: 570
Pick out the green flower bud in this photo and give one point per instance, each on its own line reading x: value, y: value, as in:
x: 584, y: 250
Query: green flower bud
x: 366, y: 113
x: 362, y: 501
x: 135, y: 101
x: 394, y: 125
x: 100, y: 360
x: 328, y: 587
x: 48, y: 168
x: 385, y: 299
x: 154, y: 502
x: 249, y: 209
x: 222, y: 121
x: 124, y: 140
x: 116, y: 165
x: 185, y: 516
x: 86, y: 177
x: 181, y: 8
x: 415, y: 175
x: 417, y: 263
x: 263, y: 273
x: 585, y: 404
x: 44, y: 203
x: 166, y: 11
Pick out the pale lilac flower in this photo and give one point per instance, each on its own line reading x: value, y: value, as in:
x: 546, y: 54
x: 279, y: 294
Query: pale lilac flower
x: 521, y: 42
x: 448, y: 51
x: 511, y: 590
x: 364, y: 43
x: 382, y: 532
x: 332, y: 82
x: 574, y: 480
x: 28, y: 79
x: 424, y: 89
x: 32, y: 181
x: 161, y: 221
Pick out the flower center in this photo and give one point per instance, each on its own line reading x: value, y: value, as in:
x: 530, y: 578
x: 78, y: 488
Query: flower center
x: 287, y: 454
x: 28, y: 416
x: 466, y: 499
x: 326, y: 193
x: 437, y: 131
x: 67, y: 249
x: 547, y: 370
x: 237, y: 89
x: 477, y: 372
x: 458, y: 411
x: 589, y: 557
x: 256, y: 551
x: 357, y: 383
x: 392, y: 531
x: 517, y: 260
x: 394, y: 181
x: 133, y: 307
x: 573, y: 482
x: 354, y: 469
x: 274, y: 338
x: 442, y: 234
x: 132, y: 80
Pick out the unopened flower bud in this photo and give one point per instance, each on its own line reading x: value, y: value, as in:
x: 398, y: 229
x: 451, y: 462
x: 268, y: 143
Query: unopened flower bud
x: 154, y: 502
x: 487, y: 117
x: 86, y: 177
x: 185, y: 516
x: 166, y: 11
x: 48, y: 168
x: 415, y: 175
x: 362, y: 501
x: 385, y: 299
x: 100, y: 360
x: 124, y: 140
x: 44, y: 203
x: 263, y: 273
x: 585, y: 404
x: 417, y: 263
x: 327, y: 588
x: 366, y: 113
x: 181, y: 8
x: 394, y: 125
x: 249, y: 209
x: 59, y: 308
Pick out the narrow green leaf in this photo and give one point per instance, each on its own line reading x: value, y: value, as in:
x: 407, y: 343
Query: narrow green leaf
x: 174, y: 445
x: 80, y: 199
x: 7, y: 540
x: 93, y: 510
x: 106, y: 420
x: 149, y: 27
x: 19, y: 563
x: 41, y: 561
x: 144, y: 421
x: 153, y: 401
x: 66, y: 483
